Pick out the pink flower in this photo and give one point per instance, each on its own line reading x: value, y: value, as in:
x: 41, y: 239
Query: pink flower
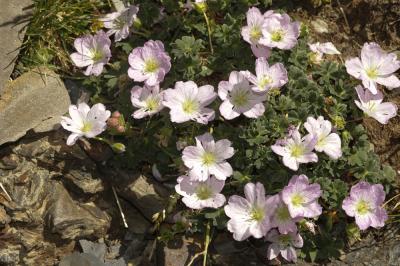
x: 93, y: 52
x: 147, y: 99
x: 365, y: 204
x: 252, y: 32
x: 238, y: 98
x: 119, y: 23
x: 319, y: 49
x: 279, y: 31
x: 85, y: 121
x: 267, y: 77
x: 208, y: 157
x: 260, y: 50
x: 375, y: 67
x: 327, y: 142
x: 188, y: 102
x: 296, y: 150
x: 201, y: 194
x: 281, y: 217
x: 302, y: 198
x: 149, y: 63
x: 283, y: 244
x: 250, y: 216
x: 372, y: 105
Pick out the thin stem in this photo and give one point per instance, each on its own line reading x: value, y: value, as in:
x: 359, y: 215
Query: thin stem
x: 206, y: 243
x: 143, y: 34
x: 5, y: 192
x: 119, y: 207
x: 390, y: 200
x: 103, y: 140
x: 209, y: 32
x: 203, y: 253
x: 355, y: 120
x: 195, y: 257
x: 344, y: 15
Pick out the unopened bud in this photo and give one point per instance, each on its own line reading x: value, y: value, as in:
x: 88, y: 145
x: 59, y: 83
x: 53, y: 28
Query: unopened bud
x: 118, y: 147
x: 116, y: 114
x: 121, y: 129
x: 112, y: 122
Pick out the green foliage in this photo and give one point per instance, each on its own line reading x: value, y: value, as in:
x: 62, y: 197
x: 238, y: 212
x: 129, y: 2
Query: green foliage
x: 313, y: 90
x: 52, y: 29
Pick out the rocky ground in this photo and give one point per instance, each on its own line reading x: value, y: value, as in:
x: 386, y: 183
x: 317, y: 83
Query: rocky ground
x: 61, y: 209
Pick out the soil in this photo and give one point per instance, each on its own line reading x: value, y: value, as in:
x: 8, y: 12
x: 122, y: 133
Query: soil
x: 349, y: 25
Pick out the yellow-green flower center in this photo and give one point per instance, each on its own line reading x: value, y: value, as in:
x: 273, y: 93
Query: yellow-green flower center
x: 255, y: 33
x: 315, y: 58
x: 152, y: 104
x: 265, y: 80
x: 321, y: 142
x: 151, y: 65
x: 372, y: 72
x: 203, y: 192
x: 120, y: 22
x: 208, y: 158
x: 240, y: 98
x: 285, y: 240
x: 97, y: 55
x: 362, y: 207
x: 86, y: 127
x: 297, y: 150
x: 277, y: 36
x: 190, y: 106
x: 282, y: 213
x: 371, y: 105
x: 297, y: 200
x: 257, y: 214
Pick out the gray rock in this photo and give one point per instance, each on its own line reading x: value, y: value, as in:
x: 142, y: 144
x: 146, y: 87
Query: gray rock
x: 76, y: 93
x: 178, y: 252
x: 85, y: 181
x: 81, y: 259
x: 35, y: 100
x: 4, y: 218
x: 96, y: 249
x: 145, y: 194
x: 137, y: 224
x: 14, y: 15
x: 72, y: 220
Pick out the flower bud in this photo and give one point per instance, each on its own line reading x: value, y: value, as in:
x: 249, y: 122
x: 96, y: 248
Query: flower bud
x: 112, y: 122
x: 116, y: 114
x: 121, y: 129
x: 118, y: 147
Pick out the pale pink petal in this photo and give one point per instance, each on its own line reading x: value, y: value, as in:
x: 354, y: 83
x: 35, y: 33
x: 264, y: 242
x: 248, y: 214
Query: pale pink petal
x: 73, y: 138
x: 390, y: 81
x: 227, y: 110
x: 354, y: 67
x: 291, y: 163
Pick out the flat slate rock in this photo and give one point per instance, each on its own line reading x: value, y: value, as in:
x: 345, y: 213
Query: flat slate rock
x: 36, y: 100
x: 14, y: 15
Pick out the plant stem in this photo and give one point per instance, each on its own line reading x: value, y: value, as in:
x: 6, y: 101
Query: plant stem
x: 355, y: 120
x: 143, y: 34
x: 206, y: 243
x: 204, y: 253
x: 209, y: 32
x: 389, y: 200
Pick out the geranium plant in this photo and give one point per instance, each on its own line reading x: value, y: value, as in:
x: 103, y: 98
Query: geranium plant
x: 274, y: 156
